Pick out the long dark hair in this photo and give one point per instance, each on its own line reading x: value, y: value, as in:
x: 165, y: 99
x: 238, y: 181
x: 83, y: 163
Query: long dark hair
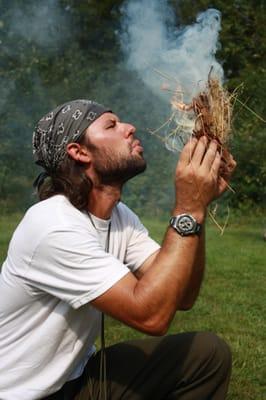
x: 69, y: 179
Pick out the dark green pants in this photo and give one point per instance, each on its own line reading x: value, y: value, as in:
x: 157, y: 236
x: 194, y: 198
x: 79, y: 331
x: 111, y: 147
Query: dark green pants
x: 186, y: 366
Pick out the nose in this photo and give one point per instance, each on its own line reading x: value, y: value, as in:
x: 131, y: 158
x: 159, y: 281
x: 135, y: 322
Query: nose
x: 129, y: 129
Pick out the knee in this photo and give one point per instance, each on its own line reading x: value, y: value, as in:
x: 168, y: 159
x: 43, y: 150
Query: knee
x: 215, y: 351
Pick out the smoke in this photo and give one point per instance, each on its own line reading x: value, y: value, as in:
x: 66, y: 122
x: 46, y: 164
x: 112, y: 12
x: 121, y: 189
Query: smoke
x: 27, y: 31
x: 33, y: 36
x: 42, y: 23
x: 163, y: 54
x: 6, y: 87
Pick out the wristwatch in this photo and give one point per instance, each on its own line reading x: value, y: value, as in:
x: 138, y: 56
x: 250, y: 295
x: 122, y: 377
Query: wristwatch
x: 185, y: 225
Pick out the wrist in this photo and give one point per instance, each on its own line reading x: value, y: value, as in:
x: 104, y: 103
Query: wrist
x: 185, y: 225
x: 199, y: 215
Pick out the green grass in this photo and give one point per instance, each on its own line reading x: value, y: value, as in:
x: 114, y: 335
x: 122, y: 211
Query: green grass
x: 231, y: 302
x: 7, y: 225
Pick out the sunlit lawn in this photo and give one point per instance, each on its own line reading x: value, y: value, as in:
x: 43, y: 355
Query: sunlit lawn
x: 231, y: 303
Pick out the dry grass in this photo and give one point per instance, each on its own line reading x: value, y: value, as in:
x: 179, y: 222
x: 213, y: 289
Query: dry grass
x: 209, y: 114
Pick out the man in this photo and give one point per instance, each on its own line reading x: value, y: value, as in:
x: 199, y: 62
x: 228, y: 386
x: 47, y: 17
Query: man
x: 80, y: 252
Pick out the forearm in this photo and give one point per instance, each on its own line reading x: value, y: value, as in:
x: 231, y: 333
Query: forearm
x: 193, y: 289
x: 173, y: 278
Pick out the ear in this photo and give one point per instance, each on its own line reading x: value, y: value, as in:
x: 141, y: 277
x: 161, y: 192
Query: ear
x: 78, y: 152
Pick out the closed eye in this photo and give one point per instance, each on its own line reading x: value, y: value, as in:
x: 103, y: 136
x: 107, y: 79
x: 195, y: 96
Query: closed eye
x: 111, y: 125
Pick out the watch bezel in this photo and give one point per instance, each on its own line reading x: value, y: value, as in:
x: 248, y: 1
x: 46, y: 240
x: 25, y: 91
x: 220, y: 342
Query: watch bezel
x: 175, y: 223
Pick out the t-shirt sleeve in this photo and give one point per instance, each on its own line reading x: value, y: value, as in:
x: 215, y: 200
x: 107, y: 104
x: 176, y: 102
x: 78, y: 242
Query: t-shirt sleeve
x: 140, y: 245
x: 73, y: 266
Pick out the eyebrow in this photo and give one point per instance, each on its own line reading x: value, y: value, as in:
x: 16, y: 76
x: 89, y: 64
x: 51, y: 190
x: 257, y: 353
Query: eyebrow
x: 112, y: 118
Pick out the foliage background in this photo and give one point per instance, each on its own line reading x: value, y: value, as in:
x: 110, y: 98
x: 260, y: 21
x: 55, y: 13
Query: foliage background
x: 57, y: 50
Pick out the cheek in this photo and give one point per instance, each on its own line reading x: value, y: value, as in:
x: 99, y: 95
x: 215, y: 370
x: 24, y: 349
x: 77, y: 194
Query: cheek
x: 111, y: 144
x: 116, y: 146
x: 107, y: 142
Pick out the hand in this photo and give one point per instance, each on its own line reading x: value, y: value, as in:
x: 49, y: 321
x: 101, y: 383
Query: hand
x: 198, y: 179
x: 228, y: 165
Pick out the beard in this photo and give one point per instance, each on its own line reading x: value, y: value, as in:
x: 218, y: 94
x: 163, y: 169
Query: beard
x: 117, y: 168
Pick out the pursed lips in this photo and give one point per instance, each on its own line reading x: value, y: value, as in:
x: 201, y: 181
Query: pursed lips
x: 137, y: 143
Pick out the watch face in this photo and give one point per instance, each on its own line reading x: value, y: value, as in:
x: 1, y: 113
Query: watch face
x: 186, y: 224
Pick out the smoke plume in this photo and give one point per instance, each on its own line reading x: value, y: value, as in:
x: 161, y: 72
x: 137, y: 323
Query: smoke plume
x: 163, y: 54
x: 26, y: 31
x: 42, y: 23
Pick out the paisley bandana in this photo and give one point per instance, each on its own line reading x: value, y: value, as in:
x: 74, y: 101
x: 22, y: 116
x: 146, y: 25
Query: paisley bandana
x: 65, y: 124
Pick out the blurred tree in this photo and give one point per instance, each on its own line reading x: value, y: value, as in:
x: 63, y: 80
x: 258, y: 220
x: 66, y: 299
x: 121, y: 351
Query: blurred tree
x: 63, y: 49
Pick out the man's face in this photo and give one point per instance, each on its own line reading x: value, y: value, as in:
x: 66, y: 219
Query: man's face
x: 116, y: 154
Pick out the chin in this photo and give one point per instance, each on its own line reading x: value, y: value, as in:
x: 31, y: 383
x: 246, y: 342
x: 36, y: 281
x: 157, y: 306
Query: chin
x: 121, y: 176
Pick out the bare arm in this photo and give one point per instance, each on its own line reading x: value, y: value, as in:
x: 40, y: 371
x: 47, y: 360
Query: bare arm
x: 196, y: 278
x: 172, y: 279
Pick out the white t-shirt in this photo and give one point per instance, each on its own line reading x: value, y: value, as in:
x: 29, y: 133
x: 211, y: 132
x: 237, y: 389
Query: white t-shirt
x: 56, y: 265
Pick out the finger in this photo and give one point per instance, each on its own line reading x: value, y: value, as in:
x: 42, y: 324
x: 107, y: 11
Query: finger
x: 216, y: 164
x: 232, y: 165
x: 222, y: 185
x: 210, y: 155
x: 188, y: 151
x: 199, y: 151
x: 228, y: 158
x: 227, y: 168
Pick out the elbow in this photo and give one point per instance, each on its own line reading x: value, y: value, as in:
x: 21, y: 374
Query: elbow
x: 186, y: 303
x: 155, y: 326
x: 185, y: 306
x: 156, y: 330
